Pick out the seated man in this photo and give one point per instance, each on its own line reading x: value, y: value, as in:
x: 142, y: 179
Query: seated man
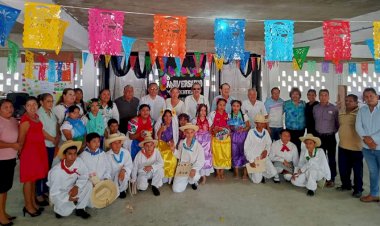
x: 189, y: 151
x: 257, y: 147
x: 121, y: 162
x: 147, y: 165
x: 96, y: 160
x: 284, y: 155
x: 69, y: 187
x: 312, y: 167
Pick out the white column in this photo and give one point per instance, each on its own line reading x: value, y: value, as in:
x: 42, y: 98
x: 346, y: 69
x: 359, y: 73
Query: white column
x: 89, y: 73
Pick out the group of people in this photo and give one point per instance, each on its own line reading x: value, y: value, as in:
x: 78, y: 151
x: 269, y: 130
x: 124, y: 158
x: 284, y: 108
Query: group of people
x: 66, y: 151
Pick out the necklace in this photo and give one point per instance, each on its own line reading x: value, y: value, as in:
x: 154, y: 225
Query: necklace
x: 191, y: 145
x: 258, y: 135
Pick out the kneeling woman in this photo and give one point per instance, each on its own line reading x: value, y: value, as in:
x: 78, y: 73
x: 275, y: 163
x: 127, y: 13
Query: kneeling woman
x: 189, y: 151
x: 312, y: 166
x: 70, y: 188
x: 167, y: 134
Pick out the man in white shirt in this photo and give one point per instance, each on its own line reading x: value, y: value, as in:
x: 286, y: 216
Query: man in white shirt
x: 155, y: 102
x: 192, y: 101
x: 274, y: 107
x: 225, y: 94
x: 253, y: 107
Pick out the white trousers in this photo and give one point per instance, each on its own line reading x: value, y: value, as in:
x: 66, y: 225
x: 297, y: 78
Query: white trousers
x: 269, y: 172
x: 308, y: 179
x: 156, y: 176
x: 64, y: 207
x: 180, y: 183
x: 287, y: 176
x: 122, y: 185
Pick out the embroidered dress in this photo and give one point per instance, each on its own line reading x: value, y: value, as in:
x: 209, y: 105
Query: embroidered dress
x: 203, y: 136
x: 237, y: 122
x: 170, y: 161
x: 221, y: 142
x: 137, y: 125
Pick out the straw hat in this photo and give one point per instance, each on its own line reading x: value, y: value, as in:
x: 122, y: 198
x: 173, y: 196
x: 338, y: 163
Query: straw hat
x: 310, y: 136
x: 189, y: 126
x: 260, y: 119
x: 104, y: 194
x: 115, y: 137
x: 147, y: 139
x: 68, y: 144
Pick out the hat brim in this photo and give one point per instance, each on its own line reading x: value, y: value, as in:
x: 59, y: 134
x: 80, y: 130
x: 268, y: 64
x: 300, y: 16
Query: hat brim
x: 193, y: 127
x: 106, y: 187
x: 111, y: 140
x: 261, y: 121
x: 316, y: 140
x: 68, y: 144
x: 141, y: 144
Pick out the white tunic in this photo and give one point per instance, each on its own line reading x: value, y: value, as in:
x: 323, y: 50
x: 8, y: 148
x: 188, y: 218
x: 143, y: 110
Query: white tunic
x: 191, y: 105
x: 290, y: 156
x: 156, y: 105
x: 109, y: 113
x: 60, y: 183
x: 179, y: 108
x: 156, y: 174
x: 97, y: 164
x: 253, y: 110
x: 125, y: 163
x: 196, y: 157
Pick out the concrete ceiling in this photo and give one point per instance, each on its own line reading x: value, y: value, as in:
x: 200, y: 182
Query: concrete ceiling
x: 141, y: 26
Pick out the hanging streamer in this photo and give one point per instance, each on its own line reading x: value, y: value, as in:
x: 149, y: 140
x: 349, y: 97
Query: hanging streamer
x: 210, y: 58
x: 351, y: 68
x: 59, y: 71
x: 218, y: 62
x: 84, y: 57
x: 43, y: 28
x: 12, y: 57
x: 253, y: 62
x: 279, y: 38
x: 51, y: 71
x: 311, y: 65
x: 364, y: 67
x: 170, y: 35
x: 376, y: 39
x: 152, y: 52
x: 66, y: 72
x: 295, y: 65
x: 338, y: 68
x: 105, y: 31
x: 148, y: 64
x: 229, y: 35
x: 300, y: 54
x: 270, y: 64
x: 127, y: 43
x: 107, y: 59
x: 42, y: 68
x: 8, y: 16
x: 377, y: 66
x: 178, y: 66
x: 370, y: 43
x: 244, y: 61
x: 325, y: 67
x: 337, y: 40
x: 132, y: 61
x: 29, y: 62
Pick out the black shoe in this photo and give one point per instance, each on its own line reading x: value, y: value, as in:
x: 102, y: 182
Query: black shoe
x: 263, y: 180
x: 42, y: 203
x: 12, y: 218
x: 310, y: 193
x: 7, y: 224
x: 123, y: 195
x: 357, y: 194
x: 57, y: 216
x: 82, y: 213
x: 155, y: 190
x: 25, y: 211
x: 40, y: 210
x: 194, y: 186
x: 343, y: 188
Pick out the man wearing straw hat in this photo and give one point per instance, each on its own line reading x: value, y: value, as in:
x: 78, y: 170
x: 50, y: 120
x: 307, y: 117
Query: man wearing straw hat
x: 68, y: 181
x: 189, y: 151
x: 121, y: 162
x: 148, y: 164
x: 312, y: 166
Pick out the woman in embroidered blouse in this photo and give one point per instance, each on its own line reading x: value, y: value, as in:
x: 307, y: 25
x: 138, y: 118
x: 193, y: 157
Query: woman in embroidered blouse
x: 166, y: 129
x: 140, y: 127
x: 221, y: 140
x: 203, y: 136
x: 94, y: 120
x: 52, y: 138
x: 107, y: 107
x: 65, y: 101
x: 239, y: 125
x: 174, y: 102
x: 73, y: 127
x: 33, y: 156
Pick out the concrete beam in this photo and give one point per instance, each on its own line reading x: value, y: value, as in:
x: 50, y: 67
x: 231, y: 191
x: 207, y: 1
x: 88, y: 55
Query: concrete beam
x: 75, y: 35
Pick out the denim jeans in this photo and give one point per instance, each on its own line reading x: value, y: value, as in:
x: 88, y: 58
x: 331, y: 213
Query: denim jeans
x: 373, y: 161
x: 41, y: 187
x: 275, y: 133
